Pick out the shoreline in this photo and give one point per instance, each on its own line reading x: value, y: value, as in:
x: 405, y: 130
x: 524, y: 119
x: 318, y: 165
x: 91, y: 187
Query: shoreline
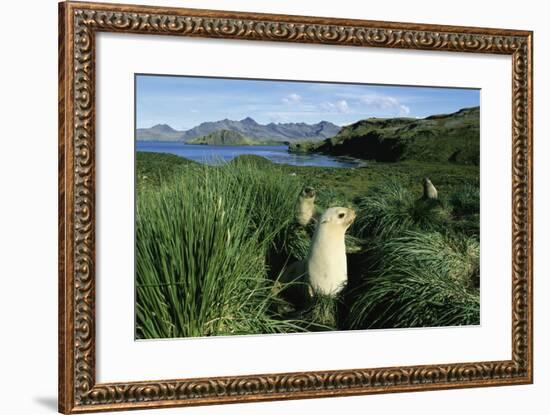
x: 278, y: 154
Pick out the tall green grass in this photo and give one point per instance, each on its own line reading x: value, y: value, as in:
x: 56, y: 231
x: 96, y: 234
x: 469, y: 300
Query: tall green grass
x: 465, y: 209
x: 465, y: 200
x: 421, y: 266
x: 212, y: 243
x: 201, y: 245
x: 391, y: 208
x: 419, y: 279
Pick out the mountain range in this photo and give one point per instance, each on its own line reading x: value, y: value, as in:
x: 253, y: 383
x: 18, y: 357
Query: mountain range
x: 247, y: 127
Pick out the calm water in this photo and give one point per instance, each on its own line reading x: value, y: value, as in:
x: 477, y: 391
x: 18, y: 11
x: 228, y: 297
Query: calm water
x: 220, y: 154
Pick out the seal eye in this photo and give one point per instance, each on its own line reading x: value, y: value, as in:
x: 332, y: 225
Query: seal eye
x: 341, y: 215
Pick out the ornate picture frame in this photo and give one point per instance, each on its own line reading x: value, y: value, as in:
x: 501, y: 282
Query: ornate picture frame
x: 78, y: 25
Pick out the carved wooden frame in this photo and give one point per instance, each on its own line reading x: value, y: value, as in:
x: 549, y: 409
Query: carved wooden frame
x: 78, y: 23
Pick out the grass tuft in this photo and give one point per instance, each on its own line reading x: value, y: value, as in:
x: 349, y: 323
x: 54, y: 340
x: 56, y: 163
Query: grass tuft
x: 201, y: 244
x: 465, y: 208
x: 419, y: 280
x: 390, y: 208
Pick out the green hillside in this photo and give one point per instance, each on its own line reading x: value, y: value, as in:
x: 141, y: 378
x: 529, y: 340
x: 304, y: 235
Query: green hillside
x: 223, y: 138
x: 438, y: 138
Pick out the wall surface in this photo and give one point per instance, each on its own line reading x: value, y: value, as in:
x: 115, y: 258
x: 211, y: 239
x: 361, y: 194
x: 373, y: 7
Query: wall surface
x: 28, y: 206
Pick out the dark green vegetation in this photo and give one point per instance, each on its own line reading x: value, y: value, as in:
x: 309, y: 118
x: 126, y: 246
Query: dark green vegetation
x: 229, y: 138
x: 211, y: 242
x: 438, y: 138
x: 223, y: 138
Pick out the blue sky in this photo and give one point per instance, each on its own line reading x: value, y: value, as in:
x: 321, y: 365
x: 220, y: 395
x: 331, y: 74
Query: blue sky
x: 184, y: 102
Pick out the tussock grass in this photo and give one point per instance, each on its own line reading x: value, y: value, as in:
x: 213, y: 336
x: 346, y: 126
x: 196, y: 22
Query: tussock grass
x: 213, y: 241
x: 324, y: 313
x: 465, y: 208
x: 201, y: 243
x: 390, y: 208
x: 419, y: 280
x: 465, y: 200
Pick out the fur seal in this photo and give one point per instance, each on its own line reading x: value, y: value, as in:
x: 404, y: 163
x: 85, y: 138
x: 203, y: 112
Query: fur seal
x: 327, y: 268
x: 430, y: 192
x: 305, y: 207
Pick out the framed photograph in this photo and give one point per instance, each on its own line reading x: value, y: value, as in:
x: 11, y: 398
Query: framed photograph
x: 258, y: 207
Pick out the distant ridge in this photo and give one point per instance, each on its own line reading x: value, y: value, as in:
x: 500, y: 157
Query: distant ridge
x: 159, y: 132
x: 248, y: 127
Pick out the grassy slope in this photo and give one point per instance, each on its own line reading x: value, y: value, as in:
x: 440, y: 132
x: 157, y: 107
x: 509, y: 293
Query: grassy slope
x: 439, y: 138
x: 223, y: 138
x: 385, y: 196
x: 230, y: 138
x: 344, y: 184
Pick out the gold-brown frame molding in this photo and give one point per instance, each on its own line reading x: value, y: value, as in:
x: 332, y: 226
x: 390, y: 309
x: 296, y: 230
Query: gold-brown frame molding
x: 78, y: 24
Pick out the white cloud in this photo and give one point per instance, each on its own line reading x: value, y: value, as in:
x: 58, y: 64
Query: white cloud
x: 292, y: 99
x: 342, y: 106
x: 278, y: 117
x: 387, y: 103
x: 338, y: 106
x: 404, y: 110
